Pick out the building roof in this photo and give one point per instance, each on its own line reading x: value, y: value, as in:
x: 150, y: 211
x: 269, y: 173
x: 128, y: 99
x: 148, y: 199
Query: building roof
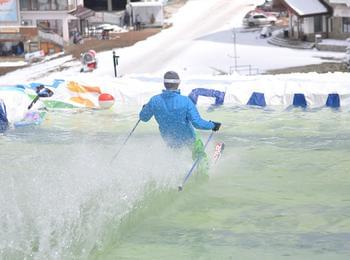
x: 82, y: 12
x: 307, y: 7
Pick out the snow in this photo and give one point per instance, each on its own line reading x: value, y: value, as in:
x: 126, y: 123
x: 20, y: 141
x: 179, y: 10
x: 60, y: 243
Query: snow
x: 12, y: 63
x: 200, y: 47
x: 335, y: 42
x: 110, y: 27
x: 308, y: 7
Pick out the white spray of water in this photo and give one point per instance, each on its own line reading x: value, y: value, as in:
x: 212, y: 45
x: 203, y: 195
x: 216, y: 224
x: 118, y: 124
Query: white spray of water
x: 58, y: 200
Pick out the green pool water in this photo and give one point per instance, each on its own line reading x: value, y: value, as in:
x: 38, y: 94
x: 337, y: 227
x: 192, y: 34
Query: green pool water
x: 281, y: 190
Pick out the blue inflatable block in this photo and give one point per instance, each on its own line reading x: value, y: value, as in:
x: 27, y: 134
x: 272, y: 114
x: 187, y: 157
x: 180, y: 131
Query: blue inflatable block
x: 299, y: 100
x: 218, y: 95
x: 257, y: 99
x: 333, y: 100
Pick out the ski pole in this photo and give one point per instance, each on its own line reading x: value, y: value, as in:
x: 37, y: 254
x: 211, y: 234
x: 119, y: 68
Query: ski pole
x: 126, y: 139
x: 187, y: 176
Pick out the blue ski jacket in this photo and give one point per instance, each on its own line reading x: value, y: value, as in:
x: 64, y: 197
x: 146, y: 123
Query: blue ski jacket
x: 176, y: 116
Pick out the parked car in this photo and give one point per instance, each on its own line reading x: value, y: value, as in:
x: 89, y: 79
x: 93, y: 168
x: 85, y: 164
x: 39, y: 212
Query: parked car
x: 257, y: 19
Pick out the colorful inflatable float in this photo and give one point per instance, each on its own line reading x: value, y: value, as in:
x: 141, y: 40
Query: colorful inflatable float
x: 26, y: 105
x: 72, y: 94
x: 16, y: 106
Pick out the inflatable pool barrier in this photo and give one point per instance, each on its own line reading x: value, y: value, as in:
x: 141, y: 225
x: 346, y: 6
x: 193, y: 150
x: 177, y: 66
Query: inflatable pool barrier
x: 300, y: 91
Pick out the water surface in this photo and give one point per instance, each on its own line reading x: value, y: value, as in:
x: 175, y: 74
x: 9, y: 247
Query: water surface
x: 280, y: 190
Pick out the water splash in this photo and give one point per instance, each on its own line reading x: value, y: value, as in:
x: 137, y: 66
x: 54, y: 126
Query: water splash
x: 60, y: 195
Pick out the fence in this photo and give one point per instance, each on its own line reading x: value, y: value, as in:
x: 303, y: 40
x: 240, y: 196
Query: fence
x: 244, y: 68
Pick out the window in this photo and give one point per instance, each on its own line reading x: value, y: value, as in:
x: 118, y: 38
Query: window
x: 26, y: 22
x: 44, y: 5
x: 330, y: 24
x: 259, y: 17
x: 247, y: 15
x: 119, y: 4
x: 346, y: 24
x: 318, y: 23
x: 60, y: 4
x: 100, y: 5
x: 28, y: 5
x: 24, y: 5
x: 71, y: 4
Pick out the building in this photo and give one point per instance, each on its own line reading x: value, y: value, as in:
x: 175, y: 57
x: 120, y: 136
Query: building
x: 339, y: 23
x: 307, y: 18
x: 46, y: 25
x: 108, y: 11
x: 321, y: 18
x: 115, y: 11
x: 49, y: 25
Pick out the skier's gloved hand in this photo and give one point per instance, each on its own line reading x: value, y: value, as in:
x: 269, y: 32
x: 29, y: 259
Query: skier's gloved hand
x: 39, y: 88
x: 216, y: 126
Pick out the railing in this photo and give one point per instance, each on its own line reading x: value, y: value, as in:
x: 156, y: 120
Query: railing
x: 105, y: 17
x: 53, y: 37
x: 244, y: 68
x: 10, y: 36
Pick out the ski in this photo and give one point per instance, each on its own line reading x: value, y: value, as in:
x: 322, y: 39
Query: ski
x: 219, y: 148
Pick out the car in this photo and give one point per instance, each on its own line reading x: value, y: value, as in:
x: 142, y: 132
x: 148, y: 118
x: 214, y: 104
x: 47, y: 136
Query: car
x: 258, y: 19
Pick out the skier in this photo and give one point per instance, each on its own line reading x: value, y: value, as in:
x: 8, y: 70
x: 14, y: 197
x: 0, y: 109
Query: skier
x: 4, y: 123
x: 176, y: 116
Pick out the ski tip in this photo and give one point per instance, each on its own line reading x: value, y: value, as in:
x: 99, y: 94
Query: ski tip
x: 219, y: 147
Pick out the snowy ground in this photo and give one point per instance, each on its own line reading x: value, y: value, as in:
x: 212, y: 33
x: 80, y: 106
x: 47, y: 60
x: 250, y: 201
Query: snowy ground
x: 199, y: 46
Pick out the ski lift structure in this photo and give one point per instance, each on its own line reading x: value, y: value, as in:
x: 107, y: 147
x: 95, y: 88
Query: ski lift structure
x: 246, y: 69
x: 89, y: 61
